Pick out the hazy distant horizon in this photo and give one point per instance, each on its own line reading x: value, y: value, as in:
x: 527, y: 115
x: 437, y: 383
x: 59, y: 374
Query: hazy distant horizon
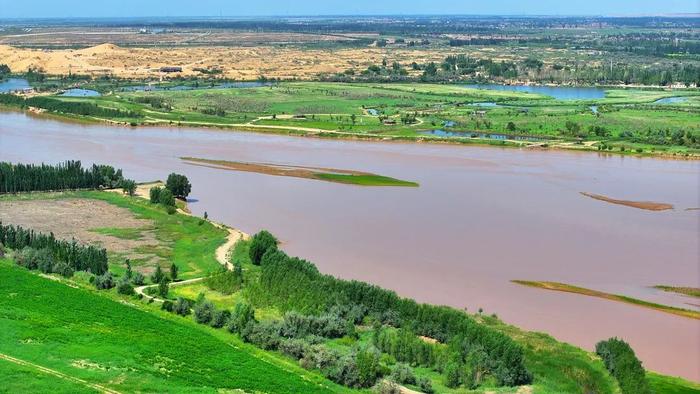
x: 49, y: 9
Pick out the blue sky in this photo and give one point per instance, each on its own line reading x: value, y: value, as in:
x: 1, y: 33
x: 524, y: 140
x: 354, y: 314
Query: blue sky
x: 126, y: 8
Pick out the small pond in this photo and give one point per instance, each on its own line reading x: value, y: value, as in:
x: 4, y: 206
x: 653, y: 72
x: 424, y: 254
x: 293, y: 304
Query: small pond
x: 474, y: 134
x: 671, y: 100
x: 80, y: 93
x: 557, y: 92
x: 13, y: 85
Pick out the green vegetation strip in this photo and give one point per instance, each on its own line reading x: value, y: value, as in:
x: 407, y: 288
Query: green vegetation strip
x: 319, y: 173
x: 689, y: 291
x: 614, y: 297
x: 93, y: 338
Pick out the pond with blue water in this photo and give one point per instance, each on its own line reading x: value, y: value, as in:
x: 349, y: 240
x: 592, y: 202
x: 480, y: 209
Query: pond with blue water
x: 557, y: 92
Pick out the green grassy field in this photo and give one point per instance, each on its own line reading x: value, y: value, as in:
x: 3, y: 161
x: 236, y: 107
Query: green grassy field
x: 626, y: 118
x: 127, y: 348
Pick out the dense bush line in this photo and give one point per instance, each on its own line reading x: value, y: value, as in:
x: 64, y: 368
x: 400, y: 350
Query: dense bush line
x: 41, y: 251
x: 67, y: 107
x: 70, y: 175
x: 623, y: 364
x: 293, y: 284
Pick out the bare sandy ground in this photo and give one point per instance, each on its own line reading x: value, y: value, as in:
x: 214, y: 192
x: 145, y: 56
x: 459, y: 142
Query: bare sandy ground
x: 236, y: 62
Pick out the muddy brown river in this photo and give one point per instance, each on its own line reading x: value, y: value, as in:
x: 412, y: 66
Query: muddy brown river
x: 480, y: 218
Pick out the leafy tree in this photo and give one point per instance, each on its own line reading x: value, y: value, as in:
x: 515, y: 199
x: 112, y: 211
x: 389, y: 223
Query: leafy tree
x: 173, y: 272
x: 158, y: 275
x: 261, y: 243
x: 179, y: 185
x: 619, y: 358
x: 137, y: 279
x: 163, y: 287
x: 204, y: 312
x: 452, y: 374
x: 402, y: 373
x: 154, y: 194
x: 4, y: 70
x: 510, y: 126
x: 165, y: 197
x: 242, y: 314
x: 124, y: 287
x: 220, y: 318
x: 104, y: 281
x: 129, y: 187
x: 182, y: 307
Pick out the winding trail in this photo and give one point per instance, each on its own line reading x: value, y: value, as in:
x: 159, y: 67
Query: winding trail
x: 61, y: 375
x: 223, y: 254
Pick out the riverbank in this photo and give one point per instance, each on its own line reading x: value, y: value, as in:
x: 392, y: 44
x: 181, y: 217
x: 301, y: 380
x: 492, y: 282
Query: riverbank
x: 466, y: 200
x: 620, y: 122
x: 557, y: 367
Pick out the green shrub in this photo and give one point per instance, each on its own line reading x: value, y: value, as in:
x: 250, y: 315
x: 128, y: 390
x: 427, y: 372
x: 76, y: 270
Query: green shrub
x: 619, y: 358
x: 166, y: 198
x: 104, y: 281
x: 154, y: 194
x: 261, y: 243
x: 204, y: 312
x: 240, y: 317
x: 124, y: 287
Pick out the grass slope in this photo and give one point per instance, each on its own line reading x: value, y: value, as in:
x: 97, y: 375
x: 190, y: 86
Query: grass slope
x: 88, y: 336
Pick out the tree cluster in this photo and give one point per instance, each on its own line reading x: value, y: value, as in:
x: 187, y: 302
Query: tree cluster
x: 66, y: 107
x: 51, y: 254
x: 293, y: 284
x: 623, y: 364
x: 70, y: 175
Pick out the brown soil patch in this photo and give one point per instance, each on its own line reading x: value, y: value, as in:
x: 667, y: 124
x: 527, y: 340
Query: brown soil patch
x: 647, y: 205
x: 76, y: 218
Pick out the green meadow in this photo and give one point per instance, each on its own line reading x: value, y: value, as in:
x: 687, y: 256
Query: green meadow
x: 127, y: 347
x: 625, y: 119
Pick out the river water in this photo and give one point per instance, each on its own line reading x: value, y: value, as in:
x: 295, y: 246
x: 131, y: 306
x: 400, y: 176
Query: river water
x: 480, y: 218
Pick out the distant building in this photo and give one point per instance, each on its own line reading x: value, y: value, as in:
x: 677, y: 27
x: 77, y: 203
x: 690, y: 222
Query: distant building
x: 170, y: 69
x: 480, y: 114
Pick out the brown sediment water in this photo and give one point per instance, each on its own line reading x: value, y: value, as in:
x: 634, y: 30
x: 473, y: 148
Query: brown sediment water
x: 648, y: 205
x: 481, y: 217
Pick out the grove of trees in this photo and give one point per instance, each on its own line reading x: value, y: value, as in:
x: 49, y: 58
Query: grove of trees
x: 70, y: 175
x: 61, y: 256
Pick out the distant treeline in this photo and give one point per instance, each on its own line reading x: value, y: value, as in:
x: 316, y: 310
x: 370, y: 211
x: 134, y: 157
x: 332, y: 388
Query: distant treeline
x: 41, y: 251
x: 70, y: 175
x: 405, y: 24
x: 66, y: 107
x: 293, y: 284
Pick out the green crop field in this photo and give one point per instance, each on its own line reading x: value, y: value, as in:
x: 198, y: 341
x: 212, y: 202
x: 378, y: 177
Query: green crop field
x: 124, y: 347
